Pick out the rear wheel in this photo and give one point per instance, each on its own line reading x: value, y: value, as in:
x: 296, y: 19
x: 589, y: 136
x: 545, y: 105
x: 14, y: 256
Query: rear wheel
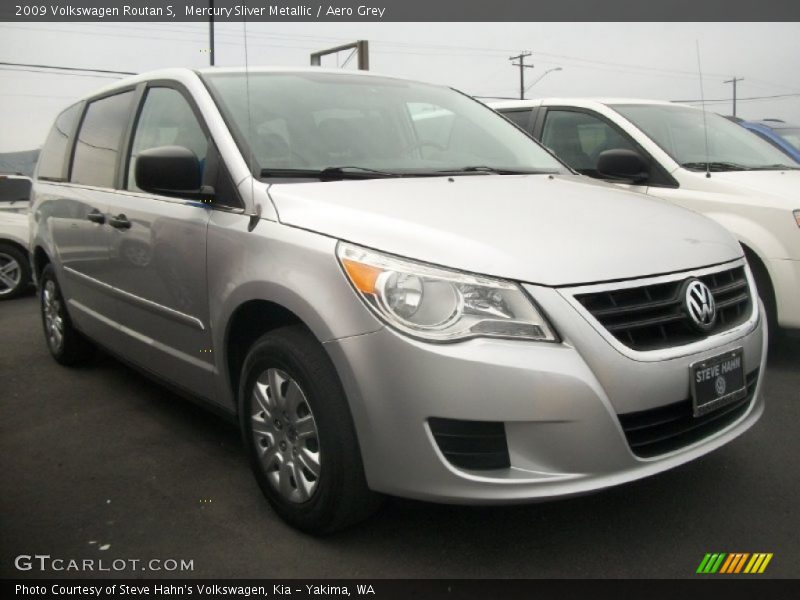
x: 15, y: 272
x: 65, y: 343
x: 299, y: 434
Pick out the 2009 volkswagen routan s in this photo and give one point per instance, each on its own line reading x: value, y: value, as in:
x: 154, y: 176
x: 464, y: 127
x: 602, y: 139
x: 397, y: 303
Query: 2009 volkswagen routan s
x: 395, y: 289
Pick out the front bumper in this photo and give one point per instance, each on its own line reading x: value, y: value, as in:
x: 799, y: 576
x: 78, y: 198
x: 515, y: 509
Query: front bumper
x: 558, y: 403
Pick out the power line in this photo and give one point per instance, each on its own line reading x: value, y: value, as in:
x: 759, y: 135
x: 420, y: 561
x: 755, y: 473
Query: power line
x: 740, y: 99
x: 391, y: 47
x: 35, y: 96
x: 10, y: 64
x: 391, y: 43
x: 45, y: 72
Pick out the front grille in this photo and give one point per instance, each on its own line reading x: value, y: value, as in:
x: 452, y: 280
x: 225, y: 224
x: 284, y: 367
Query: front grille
x: 667, y: 428
x: 475, y: 445
x: 652, y: 317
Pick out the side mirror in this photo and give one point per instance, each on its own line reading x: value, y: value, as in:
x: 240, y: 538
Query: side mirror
x: 623, y: 164
x: 170, y: 171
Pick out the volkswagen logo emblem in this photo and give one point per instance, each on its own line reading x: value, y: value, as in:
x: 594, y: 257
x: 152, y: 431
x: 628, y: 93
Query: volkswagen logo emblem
x: 698, y: 301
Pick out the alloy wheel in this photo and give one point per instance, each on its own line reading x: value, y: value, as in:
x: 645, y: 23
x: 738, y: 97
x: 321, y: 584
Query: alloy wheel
x: 53, y: 316
x: 285, y: 435
x: 10, y: 274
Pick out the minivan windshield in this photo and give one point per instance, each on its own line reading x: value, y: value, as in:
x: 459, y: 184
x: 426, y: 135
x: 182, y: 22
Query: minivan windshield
x: 306, y: 123
x: 680, y: 132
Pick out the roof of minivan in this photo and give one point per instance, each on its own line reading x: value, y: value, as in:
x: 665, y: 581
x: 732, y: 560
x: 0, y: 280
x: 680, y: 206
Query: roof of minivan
x: 588, y: 102
x: 181, y: 73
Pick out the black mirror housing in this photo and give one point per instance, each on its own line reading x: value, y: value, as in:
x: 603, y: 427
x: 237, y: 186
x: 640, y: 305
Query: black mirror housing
x: 169, y: 171
x: 620, y: 163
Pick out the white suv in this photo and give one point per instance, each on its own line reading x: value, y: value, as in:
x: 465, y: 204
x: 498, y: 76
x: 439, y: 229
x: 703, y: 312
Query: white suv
x: 660, y: 148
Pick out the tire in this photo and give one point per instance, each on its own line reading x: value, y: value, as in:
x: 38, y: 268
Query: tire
x: 15, y: 272
x: 66, y: 344
x: 301, y: 440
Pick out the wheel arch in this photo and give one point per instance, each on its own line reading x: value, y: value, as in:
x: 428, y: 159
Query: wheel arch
x: 14, y: 244
x: 250, y: 320
x: 40, y: 260
x: 762, y: 275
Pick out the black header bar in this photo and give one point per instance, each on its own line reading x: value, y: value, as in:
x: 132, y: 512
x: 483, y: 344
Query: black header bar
x: 400, y: 10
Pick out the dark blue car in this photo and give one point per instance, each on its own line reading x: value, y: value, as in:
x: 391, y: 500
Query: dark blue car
x: 782, y: 135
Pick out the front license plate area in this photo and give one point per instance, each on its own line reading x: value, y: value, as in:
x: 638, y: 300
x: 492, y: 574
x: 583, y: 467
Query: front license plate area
x: 717, y: 381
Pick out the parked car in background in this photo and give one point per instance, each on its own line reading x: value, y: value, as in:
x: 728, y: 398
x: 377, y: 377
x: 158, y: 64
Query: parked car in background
x: 15, y: 271
x: 394, y: 289
x: 15, y: 193
x: 784, y: 136
x: 659, y: 148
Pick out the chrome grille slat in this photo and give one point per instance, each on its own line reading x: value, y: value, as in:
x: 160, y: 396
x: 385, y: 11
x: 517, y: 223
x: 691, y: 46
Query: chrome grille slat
x: 651, y: 317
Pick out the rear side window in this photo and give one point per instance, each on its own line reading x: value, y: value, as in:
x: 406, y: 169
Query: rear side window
x: 166, y: 120
x: 53, y: 156
x: 99, y: 140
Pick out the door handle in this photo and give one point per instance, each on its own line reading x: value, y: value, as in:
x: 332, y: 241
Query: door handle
x: 96, y: 217
x: 120, y: 222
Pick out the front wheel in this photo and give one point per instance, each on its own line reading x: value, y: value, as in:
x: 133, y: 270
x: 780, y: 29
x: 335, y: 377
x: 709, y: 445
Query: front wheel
x: 299, y: 434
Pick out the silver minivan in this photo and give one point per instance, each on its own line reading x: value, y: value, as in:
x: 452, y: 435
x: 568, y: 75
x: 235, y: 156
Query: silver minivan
x: 394, y: 289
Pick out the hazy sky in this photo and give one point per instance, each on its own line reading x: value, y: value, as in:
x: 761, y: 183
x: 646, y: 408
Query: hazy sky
x: 646, y: 60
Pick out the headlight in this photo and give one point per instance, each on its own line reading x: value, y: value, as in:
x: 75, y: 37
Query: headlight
x: 440, y: 305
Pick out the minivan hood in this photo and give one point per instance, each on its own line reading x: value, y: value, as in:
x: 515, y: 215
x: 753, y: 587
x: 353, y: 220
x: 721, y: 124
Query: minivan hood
x: 551, y: 230
x: 776, y: 189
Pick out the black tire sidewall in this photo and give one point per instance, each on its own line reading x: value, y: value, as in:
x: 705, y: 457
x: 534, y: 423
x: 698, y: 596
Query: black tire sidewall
x: 293, y: 351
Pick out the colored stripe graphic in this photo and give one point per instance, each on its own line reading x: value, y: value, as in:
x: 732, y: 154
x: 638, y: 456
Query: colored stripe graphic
x: 734, y: 563
x: 727, y: 564
x: 711, y: 563
x: 703, y: 563
x: 764, y: 564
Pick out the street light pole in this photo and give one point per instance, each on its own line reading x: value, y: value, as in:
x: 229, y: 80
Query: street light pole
x: 538, y: 79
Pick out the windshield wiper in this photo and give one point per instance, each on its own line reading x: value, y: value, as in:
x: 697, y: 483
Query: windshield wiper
x: 328, y: 173
x: 715, y: 166
x: 775, y: 167
x: 497, y: 171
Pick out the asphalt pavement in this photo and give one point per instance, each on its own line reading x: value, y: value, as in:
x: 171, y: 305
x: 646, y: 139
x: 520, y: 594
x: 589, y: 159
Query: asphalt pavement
x: 101, y: 463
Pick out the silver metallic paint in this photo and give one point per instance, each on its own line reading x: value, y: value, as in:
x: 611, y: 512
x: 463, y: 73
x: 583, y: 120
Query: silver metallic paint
x: 558, y: 400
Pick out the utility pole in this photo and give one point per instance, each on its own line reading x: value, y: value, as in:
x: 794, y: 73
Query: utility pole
x: 733, y: 81
x: 211, y: 31
x: 522, y: 66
